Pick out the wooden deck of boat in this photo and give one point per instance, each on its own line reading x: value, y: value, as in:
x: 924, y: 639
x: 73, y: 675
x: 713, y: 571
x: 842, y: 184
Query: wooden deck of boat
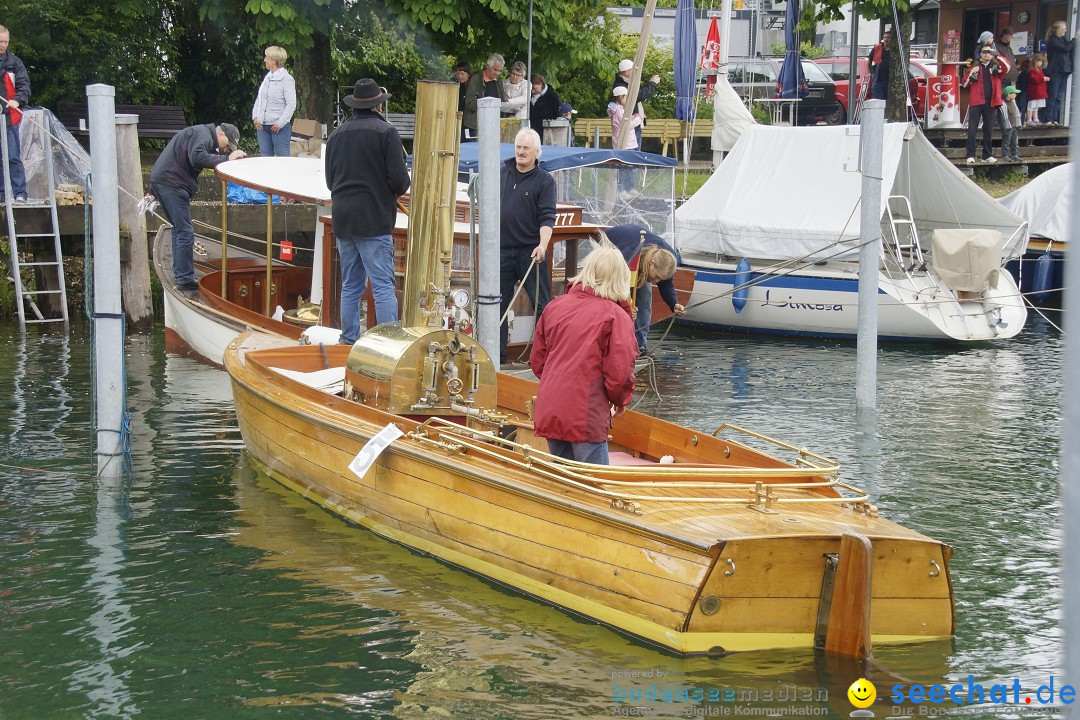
x: 701, y: 524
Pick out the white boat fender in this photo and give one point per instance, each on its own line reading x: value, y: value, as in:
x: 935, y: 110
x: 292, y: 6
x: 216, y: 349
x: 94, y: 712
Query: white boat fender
x: 742, y: 289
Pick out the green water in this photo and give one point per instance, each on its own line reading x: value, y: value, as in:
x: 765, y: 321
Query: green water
x: 200, y: 589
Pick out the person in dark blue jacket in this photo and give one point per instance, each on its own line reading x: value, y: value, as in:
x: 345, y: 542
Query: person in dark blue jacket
x: 654, y: 262
x: 174, y: 180
x: 525, y: 226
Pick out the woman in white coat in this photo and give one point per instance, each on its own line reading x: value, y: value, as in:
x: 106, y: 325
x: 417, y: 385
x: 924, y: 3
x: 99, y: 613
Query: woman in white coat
x: 517, y: 93
x: 275, y: 105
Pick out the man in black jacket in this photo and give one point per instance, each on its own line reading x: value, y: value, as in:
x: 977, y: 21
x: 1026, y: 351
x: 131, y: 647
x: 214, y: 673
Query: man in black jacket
x: 14, y: 94
x: 526, y: 222
x: 174, y: 180
x: 365, y: 171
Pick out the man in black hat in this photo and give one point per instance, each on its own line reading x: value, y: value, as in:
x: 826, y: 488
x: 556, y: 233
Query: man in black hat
x: 174, y: 180
x: 365, y: 171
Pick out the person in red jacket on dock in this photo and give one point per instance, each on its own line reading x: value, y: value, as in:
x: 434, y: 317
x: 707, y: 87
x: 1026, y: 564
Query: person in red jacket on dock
x: 984, y: 102
x: 583, y: 353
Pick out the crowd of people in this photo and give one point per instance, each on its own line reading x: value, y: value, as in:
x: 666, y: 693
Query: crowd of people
x: 1011, y: 95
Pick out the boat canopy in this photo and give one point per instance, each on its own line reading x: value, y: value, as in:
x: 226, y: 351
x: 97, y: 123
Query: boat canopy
x: 1046, y: 203
x: 554, y: 157
x: 793, y: 192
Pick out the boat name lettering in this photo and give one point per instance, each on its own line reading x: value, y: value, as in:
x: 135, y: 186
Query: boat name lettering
x: 837, y: 307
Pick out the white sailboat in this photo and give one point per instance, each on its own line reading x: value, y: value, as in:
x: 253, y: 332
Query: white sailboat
x: 773, y: 236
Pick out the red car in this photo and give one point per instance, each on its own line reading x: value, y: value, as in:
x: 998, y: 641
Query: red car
x: 922, y: 72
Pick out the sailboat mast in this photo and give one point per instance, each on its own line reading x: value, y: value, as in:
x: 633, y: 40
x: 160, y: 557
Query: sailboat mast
x: 635, y: 79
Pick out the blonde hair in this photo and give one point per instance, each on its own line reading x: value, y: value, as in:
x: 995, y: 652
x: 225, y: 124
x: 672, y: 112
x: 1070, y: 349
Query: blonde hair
x: 1053, y: 28
x: 1039, y: 58
x: 277, y: 54
x: 662, y: 260
x: 605, y: 271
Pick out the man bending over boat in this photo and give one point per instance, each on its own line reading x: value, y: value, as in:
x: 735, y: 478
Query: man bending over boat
x: 651, y: 260
x: 174, y: 180
x: 365, y: 171
x: 583, y: 353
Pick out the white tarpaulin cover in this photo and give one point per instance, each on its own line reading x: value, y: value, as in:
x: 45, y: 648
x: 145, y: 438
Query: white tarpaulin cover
x: 730, y: 116
x: 1046, y: 203
x: 789, y: 192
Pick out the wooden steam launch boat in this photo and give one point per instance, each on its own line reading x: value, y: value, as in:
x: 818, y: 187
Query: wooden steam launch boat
x: 412, y: 433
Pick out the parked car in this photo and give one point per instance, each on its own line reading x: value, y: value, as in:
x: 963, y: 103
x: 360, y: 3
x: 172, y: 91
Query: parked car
x: 921, y: 73
x: 756, y: 78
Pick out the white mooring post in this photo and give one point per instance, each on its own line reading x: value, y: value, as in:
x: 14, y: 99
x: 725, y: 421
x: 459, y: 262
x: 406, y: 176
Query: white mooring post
x: 871, y: 144
x: 108, y: 320
x: 1070, y: 439
x: 487, y: 287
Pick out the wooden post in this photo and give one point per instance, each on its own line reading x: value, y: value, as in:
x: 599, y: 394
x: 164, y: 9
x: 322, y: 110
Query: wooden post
x: 635, y: 79
x: 135, y: 258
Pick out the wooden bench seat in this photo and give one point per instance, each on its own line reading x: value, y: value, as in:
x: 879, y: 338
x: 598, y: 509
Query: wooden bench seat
x: 155, y: 121
x: 404, y: 123
x: 667, y: 130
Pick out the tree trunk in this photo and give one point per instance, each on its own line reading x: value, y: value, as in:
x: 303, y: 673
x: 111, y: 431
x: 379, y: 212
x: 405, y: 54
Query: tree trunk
x: 315, y: 87
x: 896, y: 109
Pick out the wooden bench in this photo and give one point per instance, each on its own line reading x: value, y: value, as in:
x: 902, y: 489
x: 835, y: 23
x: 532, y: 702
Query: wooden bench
x: 667, y: 130
x: 404, y: 123
x: 155, y: 121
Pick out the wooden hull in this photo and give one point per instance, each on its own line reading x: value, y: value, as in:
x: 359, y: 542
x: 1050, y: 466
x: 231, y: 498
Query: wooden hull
x: 689, y: 576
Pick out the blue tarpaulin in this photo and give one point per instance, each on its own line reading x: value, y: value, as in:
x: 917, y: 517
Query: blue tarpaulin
x: 792, y: 81
x: 686, y: 60
x: 240, y: 195
x: 560, y: 158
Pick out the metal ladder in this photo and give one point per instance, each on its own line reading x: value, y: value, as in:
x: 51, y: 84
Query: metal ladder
x: 23, y: 296
x: 902, y: 220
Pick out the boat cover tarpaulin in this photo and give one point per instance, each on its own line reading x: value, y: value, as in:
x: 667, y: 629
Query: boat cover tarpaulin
x: 788, y: 192
x: 554, y: 157
x: 1046, y: 203
x: 730, y: 116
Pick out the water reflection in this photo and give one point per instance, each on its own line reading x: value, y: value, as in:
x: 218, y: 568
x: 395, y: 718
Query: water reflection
x: 219, y: 593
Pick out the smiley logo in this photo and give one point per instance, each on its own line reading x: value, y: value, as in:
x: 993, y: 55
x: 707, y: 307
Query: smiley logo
x: 862, y: 693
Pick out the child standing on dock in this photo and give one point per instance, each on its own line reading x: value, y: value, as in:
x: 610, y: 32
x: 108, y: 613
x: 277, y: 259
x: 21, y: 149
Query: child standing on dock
x: 1010, y: 149
x: 1036, y: 90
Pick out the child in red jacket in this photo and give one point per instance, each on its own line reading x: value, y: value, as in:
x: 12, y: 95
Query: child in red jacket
x: 1036, y: 89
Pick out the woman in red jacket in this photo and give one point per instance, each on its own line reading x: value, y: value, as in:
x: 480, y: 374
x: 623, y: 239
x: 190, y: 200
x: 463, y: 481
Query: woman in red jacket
x: 583, y: 352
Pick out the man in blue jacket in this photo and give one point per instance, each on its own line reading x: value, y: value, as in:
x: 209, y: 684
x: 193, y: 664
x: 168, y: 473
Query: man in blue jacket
x: 174, y: 180
x: 653, y: 261
x: 526, y: 223
x: 365, y: 171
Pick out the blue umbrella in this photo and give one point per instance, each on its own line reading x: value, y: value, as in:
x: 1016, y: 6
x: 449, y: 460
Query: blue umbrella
x: 686, y: 60
x: 792, y: 82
